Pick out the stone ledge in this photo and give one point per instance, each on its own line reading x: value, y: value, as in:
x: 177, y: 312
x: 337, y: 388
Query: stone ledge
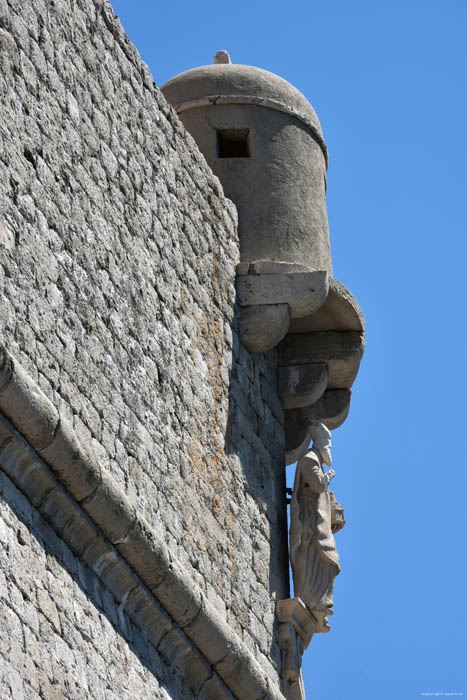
x: 341, y: 351
x: 95, y: 517
x: 270, y: 294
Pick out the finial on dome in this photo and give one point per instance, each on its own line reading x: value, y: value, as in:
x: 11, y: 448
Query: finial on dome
x: 222, y: 57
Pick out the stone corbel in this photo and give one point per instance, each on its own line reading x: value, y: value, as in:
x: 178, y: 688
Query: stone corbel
x: 318, y: 363
x: 272, y: 294
x: 302, y: 384
x: 331, y: 409
x: 296, y: 628
x: 319, y: 330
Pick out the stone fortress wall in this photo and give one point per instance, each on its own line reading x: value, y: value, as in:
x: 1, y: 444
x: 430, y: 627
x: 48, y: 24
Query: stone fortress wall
x: 118, y: 252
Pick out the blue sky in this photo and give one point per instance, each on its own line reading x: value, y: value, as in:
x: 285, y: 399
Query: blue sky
x: 388, y: 81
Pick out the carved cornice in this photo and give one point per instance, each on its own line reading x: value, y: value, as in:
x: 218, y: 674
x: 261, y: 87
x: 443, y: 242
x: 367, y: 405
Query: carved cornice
x: 319, y: 330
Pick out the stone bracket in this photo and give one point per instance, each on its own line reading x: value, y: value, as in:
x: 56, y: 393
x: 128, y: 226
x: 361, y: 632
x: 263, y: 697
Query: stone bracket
x: 319, y: 330
x: 332, y: 408
x: 270, y: 294
x: 295, y: 612
x: 340, y: 351
x: 301, y: 354
x: 304, y: 292
x: 301, y: 385
x: 263, y: 327
x: 296, y: 628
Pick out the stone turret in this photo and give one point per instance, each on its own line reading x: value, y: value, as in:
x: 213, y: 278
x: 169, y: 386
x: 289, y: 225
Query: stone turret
x: 263, y: 140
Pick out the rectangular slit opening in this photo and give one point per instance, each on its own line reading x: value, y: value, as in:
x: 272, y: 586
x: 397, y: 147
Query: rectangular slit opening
x: 233, y: 143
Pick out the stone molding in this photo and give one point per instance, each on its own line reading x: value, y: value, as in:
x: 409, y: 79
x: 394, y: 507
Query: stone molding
x: 257, y: 102
x: 270, y: 294
x: 41, y: 453
x: 319, y: 331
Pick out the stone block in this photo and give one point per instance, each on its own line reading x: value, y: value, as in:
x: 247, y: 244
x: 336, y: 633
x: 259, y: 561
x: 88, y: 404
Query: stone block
x: 178, y: 595
x: 116, y: 575
x: 341, y: 352
x: 146, y: 613
x: 331, y: 409
x: 110, y: 509
x: 304, y: 292
x: 72, y: 461
x: 215, y: 689
x: 232, y: 671
x: 210, y: 634
x: 27, y: 471
x: 95, y: 552
x: 146, y: 553
x: 25, y: 404
x: 340, y: 312
x: 176, y: 648
x: 79, y: 533
x: 301, y: 385
x: 59, y: 509
x: 261, y: 328
x: 273, y: 267
x: 271, y: 398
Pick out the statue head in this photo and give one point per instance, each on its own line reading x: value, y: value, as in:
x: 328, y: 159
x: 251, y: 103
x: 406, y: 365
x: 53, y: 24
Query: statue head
x: 321, y: 437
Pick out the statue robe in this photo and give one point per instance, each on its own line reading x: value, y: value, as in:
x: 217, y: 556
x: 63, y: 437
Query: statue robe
x: 313, y: 554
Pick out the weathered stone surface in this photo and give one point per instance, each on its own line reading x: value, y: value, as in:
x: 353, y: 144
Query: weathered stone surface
x: 279, y: 188
x: 22, y: 400
x: 261, y: 328
x: 341, y: 352
x: 72, y: 462
x: 22, y: 466
x: 178, y: 595
x: 301, y: 385
x: 182, y: 602
x: 304, y: 292
x: 212, y: 689
x: 297, y: 435
x: 58, y: 613
x: 111, y: 510
x: 331, y: 409
x: 269, y: 267
x: 147, y: 615
x: 340, y: 312
x: 7, y: 239
x: 193, y: 669
x: 230, y: 669
x: 146, y: 553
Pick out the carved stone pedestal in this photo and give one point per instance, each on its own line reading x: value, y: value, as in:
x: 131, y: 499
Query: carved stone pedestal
x: 296, y: 628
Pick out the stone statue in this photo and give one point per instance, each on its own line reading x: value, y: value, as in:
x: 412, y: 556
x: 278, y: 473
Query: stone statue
x: 314, y: 516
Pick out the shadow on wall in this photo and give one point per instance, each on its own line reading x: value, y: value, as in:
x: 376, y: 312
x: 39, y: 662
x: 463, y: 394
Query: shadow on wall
x: 255, y: 437
x: 63, y: 606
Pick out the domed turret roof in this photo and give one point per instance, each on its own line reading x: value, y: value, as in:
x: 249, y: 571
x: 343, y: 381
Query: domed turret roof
x: 232, y: 79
